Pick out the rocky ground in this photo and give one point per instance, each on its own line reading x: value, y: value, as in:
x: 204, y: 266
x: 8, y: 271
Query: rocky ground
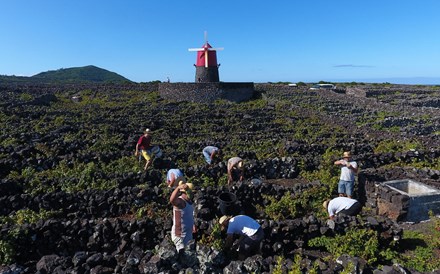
x: 74, y: 199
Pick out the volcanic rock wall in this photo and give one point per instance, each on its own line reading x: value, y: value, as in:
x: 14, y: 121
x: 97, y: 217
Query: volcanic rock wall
x: 206, y: 92
x: 93, y: 232
x: 387, y: 202
x: 384, y: 201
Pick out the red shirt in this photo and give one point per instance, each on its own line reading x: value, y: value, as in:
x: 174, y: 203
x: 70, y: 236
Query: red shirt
x: 144, y: 142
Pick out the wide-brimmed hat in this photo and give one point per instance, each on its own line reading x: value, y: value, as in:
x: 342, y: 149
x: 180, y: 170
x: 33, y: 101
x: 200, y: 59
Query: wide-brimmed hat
x: 190, y: 186
x: 223, y: 219
x: 325, y: 204
x: 181, y: 180
x: 188, y: 190
x: 346, y: 154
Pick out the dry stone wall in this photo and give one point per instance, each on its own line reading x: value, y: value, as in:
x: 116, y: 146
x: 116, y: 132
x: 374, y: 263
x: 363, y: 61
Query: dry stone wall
x: 206, y: 92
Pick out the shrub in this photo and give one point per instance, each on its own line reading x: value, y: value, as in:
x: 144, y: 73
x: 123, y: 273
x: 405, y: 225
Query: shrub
x: 279, y: 209
x: 214, y: 239
x: 7, y: 252
x: 394, y: 145
x: 358, y: 242
x: 152, y: 211
x: 28, y: 216
x: 425, y: 256
x: 26, y: 97
x: 295, y: 268
x: 309, y: 201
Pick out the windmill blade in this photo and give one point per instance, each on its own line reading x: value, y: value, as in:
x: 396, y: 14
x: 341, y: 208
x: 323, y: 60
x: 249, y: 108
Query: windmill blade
x: 196, y: 49
x: 206, y: 59
x: 216, y: 48
x: 206, y: 36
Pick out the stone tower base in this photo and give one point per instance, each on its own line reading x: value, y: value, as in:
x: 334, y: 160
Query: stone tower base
x: 207, y: 75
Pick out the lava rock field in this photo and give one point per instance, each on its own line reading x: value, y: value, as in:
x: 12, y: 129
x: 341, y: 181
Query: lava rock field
x: 75, y: 199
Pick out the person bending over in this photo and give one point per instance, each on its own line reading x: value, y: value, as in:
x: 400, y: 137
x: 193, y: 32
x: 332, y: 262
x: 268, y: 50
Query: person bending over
x: 342, y: 205
x: 249, y: 231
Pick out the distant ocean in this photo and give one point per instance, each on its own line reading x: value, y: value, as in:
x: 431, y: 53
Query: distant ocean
x: 397, y: 80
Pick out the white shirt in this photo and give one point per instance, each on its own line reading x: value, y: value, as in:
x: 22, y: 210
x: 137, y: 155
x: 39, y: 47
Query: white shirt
x: 243, y: 225
x: 347, y: 174
x: 338, y: 204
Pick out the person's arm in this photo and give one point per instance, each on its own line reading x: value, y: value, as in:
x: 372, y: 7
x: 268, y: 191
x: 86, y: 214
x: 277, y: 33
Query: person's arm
x: 340, y: 162
x: 229, y: 173
x: 174, y: 199
x: 354, y: 168
x: 229, y: 241
x: 240, y: 239
x: 241, y: 174
x: 137, y: 149
x: 331, y: 212
x: 171, y: 181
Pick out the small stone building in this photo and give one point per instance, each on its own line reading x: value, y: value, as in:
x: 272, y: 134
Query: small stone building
x: 400, y: 200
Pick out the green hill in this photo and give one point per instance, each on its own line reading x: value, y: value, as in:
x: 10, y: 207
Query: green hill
x: 80, y: 74
x: 87, y: 74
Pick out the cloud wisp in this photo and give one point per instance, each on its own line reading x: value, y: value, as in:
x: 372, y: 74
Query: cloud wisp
x: 352, y: 66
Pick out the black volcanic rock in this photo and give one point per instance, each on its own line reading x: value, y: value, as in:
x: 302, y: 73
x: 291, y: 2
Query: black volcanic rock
x: 107, y: 215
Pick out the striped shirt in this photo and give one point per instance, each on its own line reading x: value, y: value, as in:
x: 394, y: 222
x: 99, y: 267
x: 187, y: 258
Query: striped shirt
x: 183, y: 221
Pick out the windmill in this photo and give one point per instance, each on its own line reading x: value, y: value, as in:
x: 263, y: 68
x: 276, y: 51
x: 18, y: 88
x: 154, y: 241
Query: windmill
x: 206, y: 62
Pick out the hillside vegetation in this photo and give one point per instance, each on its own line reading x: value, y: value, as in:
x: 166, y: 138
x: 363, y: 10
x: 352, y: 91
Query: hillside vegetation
x: 87, y: 74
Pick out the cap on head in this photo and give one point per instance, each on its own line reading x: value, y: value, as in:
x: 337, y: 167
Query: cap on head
x: 147, y: 130
x: 346, y: 154
x: 223, y: 219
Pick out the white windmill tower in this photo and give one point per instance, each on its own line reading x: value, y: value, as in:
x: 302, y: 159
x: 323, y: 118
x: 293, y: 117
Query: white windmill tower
x: 206, y: 62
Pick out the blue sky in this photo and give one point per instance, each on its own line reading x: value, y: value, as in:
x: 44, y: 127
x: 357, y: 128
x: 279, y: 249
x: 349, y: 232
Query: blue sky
x: 264, y: 41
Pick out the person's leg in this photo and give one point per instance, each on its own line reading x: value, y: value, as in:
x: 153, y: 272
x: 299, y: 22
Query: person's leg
x: 188, y: 236
x: 140, y: 156
x: 260, y: 240
x: 354, y: 210
x: 178, y: 242
x: 349, y: 185
x: 244, y: 248
x: 341, y: 188
x: 180, y: 247
x: 256, y: 242
x: 147, y: 157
